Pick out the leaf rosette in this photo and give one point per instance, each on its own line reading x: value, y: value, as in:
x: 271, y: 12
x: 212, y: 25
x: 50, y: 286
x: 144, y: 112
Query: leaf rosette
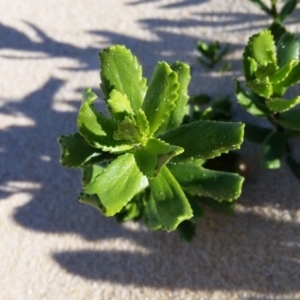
x: 131, y: 159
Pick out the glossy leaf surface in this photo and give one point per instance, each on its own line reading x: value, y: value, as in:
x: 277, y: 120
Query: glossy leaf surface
x: 154, y: 155
x: 281, y: 105
x: 177, y: 114
x: 161, y: 96
x: 121, y: 71
x: 76, y: 151
x: 171, y: 203
x: 205, y: 139
x: 249, y: 102
x: 114, y: 187
x: 287, y: 49
x: 196, y: 180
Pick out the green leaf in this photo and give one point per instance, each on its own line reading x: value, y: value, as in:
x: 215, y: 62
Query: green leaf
x: 283, y: 72
x: 281, y: 105
x: 261, y: 48
x: 255, y: 133
x: 128, y: 131
x: 205, y: 139
x: 161, y: 96
x: 76, y: 152
x: 273, y: 149
x: 120, y: 71
x: 287, y: 9
x: 198, y: 181
x: 177, y: 114
x: 89, y: 174
x: 171, y: 203
x: 113, y: 188
x: 290, y: 119
x: 154, y: 155
x: 292, y: 78
x: 261, y: 88
x: 118, y: 105
x: 250, y: 102
x: 95, y: 128
x: 287, y: 49
x: 151, y: 217
x: 143, y: 125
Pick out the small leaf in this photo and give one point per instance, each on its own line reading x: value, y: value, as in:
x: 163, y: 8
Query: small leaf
x: 161, y: 96
x: 205, y: 139
x: 261, y: 48
x: 76, y: 152
x: 119, y: 105
x: 121, y: 71
x: 95, y: 128
x: 273, y: 149
x: 250, y: 102
x: 114, y: 187
x: 261, y: 88
x: 255, y: 133
x: 143, y: 125
x: 287, y: 49
x: 281, y: 105
x: 171, y: 203
x: 177, y: 114
x: 292, y: 78
x: 154, y: 155
x: 128, y: 131
x: 290, y: 119
x: 198, y: 181
x: 287, y: 9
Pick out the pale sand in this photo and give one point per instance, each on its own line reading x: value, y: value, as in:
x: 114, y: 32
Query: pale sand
x: 55, y: 248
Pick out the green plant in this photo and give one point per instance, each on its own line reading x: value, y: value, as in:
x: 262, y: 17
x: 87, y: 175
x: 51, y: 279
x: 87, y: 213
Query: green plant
x: 142, y: 162
x: 212, y: 54
x: 270, y: 71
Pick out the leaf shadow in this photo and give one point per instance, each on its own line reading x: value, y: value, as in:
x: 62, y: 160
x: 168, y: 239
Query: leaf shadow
x: 46, y: 47
x: 228, y: 253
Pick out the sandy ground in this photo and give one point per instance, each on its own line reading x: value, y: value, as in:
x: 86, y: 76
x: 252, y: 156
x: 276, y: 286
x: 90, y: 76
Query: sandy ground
x: 55, y: 248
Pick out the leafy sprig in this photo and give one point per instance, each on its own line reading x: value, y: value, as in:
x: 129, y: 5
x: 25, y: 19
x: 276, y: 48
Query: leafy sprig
x: 270, y: 71
x: 212, y: 54
x: 141, y: 162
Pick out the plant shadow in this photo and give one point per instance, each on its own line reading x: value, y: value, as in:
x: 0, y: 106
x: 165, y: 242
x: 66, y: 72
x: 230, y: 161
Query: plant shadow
x: 244, y: 252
